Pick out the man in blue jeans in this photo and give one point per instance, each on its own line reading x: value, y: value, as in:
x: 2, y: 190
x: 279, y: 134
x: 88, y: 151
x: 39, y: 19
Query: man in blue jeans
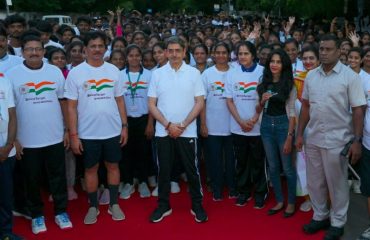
x: 8, y: 128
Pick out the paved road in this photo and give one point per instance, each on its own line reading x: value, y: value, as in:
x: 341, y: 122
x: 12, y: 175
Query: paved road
x: 358, y: 219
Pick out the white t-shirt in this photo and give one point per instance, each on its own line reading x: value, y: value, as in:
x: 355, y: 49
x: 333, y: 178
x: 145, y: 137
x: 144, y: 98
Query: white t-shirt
x: 8, y: 62
x: 136, y: 93
x: 365, y: 77
x: 242, y: 88
x: 6, y: 102
x: 217, y: 113
x: 175, y: 92
x: 39, y: 114
x: 95, y: 89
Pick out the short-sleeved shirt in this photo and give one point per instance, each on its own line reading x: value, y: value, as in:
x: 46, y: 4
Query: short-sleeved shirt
x: 242, y: 88
x: 217, y: 113
x: 365, y: 77
x: 6, y: 102
x: 136, y: 86
x: 331, y: 97
x: 8, y: 62
x: 95, y: 89
x: 37, y: 94
x: 175, y: 92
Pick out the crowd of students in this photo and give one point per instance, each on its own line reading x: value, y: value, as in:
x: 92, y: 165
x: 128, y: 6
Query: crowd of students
x: 142, y: 99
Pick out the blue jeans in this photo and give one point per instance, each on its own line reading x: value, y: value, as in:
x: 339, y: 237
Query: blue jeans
x: 219, y: 148
x: 274, y: 131
x: 6, y: 195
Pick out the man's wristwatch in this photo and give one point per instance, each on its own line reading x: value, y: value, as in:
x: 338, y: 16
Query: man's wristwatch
x: 357, y: 139
x: 124, y: 125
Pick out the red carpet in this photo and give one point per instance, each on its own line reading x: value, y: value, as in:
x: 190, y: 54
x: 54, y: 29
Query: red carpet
x: 226, y: 221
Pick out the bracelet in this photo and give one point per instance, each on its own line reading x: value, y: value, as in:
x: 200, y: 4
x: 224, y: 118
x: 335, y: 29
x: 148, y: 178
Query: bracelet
x: 168, y: 126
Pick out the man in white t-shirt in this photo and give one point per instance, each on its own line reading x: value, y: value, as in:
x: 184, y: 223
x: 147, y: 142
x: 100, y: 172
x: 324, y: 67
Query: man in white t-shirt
x: 6, y: 61
x: 38, y: 92
x: 97, y: 121
x: 8, y: 128
x: 176, y: 97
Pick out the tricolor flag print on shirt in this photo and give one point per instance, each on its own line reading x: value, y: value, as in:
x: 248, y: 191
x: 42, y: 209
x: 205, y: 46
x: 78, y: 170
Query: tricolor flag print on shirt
x: 98, y: 85
x: 245, y: 87
x: 37, y: 88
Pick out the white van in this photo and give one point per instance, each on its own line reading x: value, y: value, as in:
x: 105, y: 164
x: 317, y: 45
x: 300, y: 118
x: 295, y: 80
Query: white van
x: 60, y: 19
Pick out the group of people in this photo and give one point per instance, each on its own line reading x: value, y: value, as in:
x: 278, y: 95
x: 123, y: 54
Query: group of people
x: 147, y: 99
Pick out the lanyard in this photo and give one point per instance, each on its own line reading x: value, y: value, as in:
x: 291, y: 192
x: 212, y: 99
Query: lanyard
x: 132, y: 88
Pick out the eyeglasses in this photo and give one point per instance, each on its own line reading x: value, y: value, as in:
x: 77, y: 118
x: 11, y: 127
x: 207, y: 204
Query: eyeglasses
x: 30, y: 49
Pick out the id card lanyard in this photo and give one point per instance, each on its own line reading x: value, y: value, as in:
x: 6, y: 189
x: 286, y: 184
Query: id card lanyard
x: 133, y: 87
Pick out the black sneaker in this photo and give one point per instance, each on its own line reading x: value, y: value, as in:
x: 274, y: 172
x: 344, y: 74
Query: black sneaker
x: 334, y: 233
x: 233, y: 194
x: 159, y: 213
x: 217, y: 196
x: 242, y: 200
x: 200, y: 214
x: 259, y: 204
x: 315, y: 226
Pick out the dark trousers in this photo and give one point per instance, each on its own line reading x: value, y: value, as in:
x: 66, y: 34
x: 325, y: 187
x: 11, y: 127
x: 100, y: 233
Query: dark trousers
x: 32, y: 162
x: 135, y: 161
x: 186, y: 150
x: 20, y: 200
x: 6, y: 195
x: 221, y: 163
x: 250, y: 165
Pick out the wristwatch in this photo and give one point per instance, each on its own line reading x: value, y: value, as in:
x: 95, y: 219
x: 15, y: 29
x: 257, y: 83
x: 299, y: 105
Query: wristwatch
x: 124, y: 125
x: 357, y: 139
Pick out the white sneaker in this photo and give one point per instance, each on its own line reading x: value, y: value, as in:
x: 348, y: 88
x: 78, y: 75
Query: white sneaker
x: 38, y: 225
x: 356, y: 186
x: 365, y: 235
x: 175, y: 188
x: 306, y: 206
x: 144, y: 190
x: 155, y: 192
x: 120, y: 187
x: 63, y: 221
x: 127, y: 190
x: 152, y: 181
x: 104, y: 197
x: 116, y: 212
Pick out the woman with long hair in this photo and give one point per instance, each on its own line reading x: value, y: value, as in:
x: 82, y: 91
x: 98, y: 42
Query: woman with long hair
x: 215, y: 125
x: 310, y: 60
x: 135, y: 163
x: 277, y: 96
x: 242, y: 98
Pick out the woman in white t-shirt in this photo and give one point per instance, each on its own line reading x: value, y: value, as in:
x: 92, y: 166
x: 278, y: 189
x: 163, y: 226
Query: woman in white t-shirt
x: 242, y: 98
x: 135, y: 161
x: 215, y: 125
